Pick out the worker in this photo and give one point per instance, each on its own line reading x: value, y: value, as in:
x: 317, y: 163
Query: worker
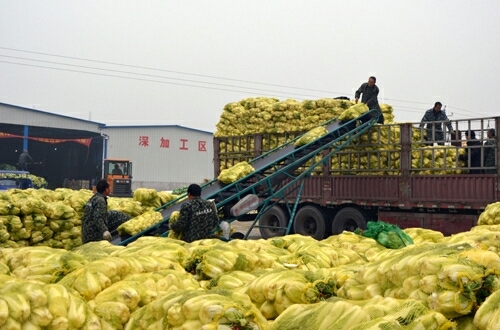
x: 370, y: 96
x: 435, y: 130
x: 197, y: 219
x: 472, y: 154
x: 97, y: 224
x: 24, y: 160
x: 117, y: 170
x: 490, y: 152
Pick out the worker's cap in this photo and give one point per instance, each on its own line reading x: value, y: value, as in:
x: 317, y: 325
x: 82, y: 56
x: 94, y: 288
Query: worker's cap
x: 194, y: 190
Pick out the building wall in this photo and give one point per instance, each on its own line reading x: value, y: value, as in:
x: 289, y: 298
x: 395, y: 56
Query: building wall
x: 163, y: 157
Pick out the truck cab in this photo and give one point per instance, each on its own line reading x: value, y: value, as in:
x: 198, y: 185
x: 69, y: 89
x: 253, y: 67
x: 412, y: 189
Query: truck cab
x: 118, y: 173
x: 14, y: 180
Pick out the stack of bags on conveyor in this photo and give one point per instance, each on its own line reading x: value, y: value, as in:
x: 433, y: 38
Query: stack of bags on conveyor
x: 235, y: 172
x: 311, y: 135
x: 150, y: 199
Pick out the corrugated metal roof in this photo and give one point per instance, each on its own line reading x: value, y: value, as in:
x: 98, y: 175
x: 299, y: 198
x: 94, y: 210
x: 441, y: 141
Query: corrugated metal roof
x: 158, y: 126
x: 13, y: 120
x: 49, y: 113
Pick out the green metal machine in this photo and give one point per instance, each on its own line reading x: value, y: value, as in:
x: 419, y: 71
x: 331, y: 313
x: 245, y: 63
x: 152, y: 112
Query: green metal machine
x: 276, y: 176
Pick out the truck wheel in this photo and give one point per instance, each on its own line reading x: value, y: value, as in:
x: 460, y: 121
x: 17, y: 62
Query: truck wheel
x: 274, y: 217
x: 310, y: 221
x: 348, y: 219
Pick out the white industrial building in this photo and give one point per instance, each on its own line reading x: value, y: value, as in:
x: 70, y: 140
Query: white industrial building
x: 66, y: 148
x: 163, y: 157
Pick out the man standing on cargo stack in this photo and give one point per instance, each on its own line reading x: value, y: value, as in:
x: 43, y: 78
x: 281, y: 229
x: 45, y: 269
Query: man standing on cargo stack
x: 435, y: 130
x: 97, y: 221
x: 197, y: 219
x: 370, y: 96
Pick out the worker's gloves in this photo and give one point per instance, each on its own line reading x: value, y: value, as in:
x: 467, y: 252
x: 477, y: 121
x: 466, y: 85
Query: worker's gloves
x: 452, y: 132
x: 106, y: 235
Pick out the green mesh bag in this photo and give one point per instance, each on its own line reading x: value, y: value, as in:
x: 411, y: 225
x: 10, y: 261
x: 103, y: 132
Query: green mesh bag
x: 386, y: 234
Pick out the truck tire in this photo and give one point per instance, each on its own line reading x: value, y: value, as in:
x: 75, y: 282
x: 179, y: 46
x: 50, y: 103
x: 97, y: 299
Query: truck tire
x: 310, y: 221
x: 274, y: 217
x: 348, y: 219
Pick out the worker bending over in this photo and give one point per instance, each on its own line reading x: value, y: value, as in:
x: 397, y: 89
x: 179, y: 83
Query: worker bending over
x: 97, y: 221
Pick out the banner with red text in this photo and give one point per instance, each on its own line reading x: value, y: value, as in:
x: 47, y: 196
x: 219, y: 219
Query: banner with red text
x: 85, y: 142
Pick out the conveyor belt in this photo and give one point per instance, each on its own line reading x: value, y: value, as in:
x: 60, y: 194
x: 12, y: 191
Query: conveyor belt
x: 274, y: 171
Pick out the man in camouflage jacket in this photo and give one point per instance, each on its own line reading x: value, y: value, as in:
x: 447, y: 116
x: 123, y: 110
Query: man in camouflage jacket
x: 97, y: 221
x: 197, y: 218
x: 490, y: 152
x: 436, y: 129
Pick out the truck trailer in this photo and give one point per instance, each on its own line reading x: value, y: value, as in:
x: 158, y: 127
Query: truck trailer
x: 357, y: 171
x: 404, y: 182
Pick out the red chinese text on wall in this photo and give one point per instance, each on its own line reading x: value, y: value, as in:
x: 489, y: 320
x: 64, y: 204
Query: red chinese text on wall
x: 165, y: 143
x: 183, y: 144
x: 144, y: 141
x: 202, y: 145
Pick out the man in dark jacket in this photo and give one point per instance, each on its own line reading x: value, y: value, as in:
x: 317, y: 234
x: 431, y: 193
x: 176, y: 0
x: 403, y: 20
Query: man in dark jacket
x: 435, y: 130
x: 473, y: 152
x: 490, y: 152
x: 370, y: 96
x: 24, y: 160
x: 197, y: 219
x: 97, y: 221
